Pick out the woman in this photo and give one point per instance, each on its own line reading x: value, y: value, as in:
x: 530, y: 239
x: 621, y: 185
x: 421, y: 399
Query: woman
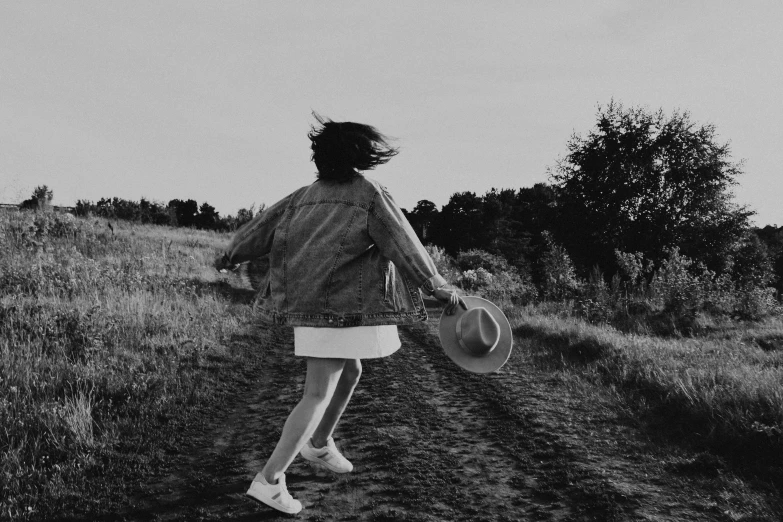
x: 345, y: 269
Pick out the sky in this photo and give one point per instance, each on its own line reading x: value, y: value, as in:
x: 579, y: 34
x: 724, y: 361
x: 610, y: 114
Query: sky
x: 212, y: 101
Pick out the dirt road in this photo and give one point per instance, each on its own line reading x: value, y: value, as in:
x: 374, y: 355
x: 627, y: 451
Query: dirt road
x: 432, y: 442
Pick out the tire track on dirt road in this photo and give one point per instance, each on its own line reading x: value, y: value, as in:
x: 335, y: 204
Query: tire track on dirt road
x: 429, y: 441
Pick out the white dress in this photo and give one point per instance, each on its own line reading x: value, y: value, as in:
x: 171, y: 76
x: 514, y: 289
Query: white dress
x: 356, y: 342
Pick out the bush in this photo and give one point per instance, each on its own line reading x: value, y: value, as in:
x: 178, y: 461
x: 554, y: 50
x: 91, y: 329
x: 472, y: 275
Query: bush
x: 633, y: 271
x: 474, y: 259
x: 558, y: 275
x: 596, y: 303
x: 502, y: 286
x: 446, y: 265
x: 509, y: 285
x: 491, y: 277
x: 755, y: 303
x: 681, y: 285
x: 752, y: 265
x: 475, y: 280
x: 41, y: 199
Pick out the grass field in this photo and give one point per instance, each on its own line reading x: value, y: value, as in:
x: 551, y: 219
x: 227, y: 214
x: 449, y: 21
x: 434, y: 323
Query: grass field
x: 106, y: 337
x: 721, y: 392
x: 110, y: 338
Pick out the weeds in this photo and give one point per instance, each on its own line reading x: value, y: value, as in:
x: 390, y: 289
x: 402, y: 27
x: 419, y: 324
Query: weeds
x: 77, y: 417
x: 722, y: 392
x: 102, y: 335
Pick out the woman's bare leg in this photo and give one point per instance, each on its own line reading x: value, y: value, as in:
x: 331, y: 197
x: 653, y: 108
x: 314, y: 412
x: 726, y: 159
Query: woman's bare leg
x: 322, y: 378
x: 352, y: 371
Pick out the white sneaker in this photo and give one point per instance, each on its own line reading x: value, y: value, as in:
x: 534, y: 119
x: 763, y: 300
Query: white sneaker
x: 274, y: 495
x: 328, y: 456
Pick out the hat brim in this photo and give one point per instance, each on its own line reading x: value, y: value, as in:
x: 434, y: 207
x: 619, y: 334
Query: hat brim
x: 491, y: 362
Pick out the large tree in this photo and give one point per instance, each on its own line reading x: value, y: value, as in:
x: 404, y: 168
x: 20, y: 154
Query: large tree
x: 642, y: 181
x: 461, y: 225
x: 423, y: 218
x: 208, y: 218
x: 186, y: 212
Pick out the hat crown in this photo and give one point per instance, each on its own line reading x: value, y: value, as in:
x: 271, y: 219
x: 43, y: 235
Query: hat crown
x: 478, y: 332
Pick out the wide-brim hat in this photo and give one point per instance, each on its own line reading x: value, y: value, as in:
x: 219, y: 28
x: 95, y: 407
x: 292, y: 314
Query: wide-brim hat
x: 477, y: 339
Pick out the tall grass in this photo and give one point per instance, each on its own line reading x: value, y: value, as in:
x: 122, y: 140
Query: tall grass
x: 722, y: 391
x: 696, y: 354
x: 103, y: 336
x: 107, y: 335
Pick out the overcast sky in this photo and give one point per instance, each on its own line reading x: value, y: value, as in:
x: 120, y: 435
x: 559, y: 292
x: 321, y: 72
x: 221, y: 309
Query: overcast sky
x: 212, y: 100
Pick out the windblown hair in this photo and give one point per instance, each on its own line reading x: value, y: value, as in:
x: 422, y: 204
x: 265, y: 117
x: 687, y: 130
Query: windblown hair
x: 340, y: 149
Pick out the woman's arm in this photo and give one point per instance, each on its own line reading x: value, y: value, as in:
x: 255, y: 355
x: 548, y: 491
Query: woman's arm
x: 254, y: 238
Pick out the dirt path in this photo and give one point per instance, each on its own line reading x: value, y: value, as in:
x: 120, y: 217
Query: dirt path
x: 432, y: 442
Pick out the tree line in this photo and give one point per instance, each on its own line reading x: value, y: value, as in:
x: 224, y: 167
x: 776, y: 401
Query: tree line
x: 176, y: 213
x: 641, y: 183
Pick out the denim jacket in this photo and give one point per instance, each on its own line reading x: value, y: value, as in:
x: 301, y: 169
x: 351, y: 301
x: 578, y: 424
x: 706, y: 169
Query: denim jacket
x: 340, y: 254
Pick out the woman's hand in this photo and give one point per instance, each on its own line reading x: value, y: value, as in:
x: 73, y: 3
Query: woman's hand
x: 450, y: 300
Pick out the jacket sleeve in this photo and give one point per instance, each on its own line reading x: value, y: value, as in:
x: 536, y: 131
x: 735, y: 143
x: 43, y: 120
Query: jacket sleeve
x: 397, y: 241
x: 254, y: 238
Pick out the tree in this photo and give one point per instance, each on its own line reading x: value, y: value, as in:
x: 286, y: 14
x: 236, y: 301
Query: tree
x: 84, y: 207
x: 505, y: 230
x: 244, y: 215
x: 208, y: 217
x: 772, y: 237
x: 423, y: 218
x: 41, y: 198
x: 645, y: 182
x: 153, y: 212
x: 186, y: 212
x: 460, y: 223
x: 752, y: 265
x: 503, y: 222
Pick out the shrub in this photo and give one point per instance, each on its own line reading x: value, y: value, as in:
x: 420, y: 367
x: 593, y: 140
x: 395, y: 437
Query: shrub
x: 558, y: 279
x: 505, y: 285
x: 595, y: 303
x: 681, y: 285
x: 41, y: 199
x: 446, y: 265
x: 474, y: 280
x: 474, y: 259
x: 509, y: 285
x: 755, y: 303
x: 752, y: 265
x: 633, y: 270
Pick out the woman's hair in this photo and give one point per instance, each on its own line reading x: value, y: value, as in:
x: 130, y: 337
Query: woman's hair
x: 342, y: 148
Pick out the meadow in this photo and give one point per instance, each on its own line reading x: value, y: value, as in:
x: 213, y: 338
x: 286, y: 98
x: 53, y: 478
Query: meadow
x: 720, y: 392
x: 111, y: 338
x: 699, y: 360
x: 107, y: 339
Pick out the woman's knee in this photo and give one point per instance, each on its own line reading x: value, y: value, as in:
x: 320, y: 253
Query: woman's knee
x: 318, y: 395
x: 352, y: 370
